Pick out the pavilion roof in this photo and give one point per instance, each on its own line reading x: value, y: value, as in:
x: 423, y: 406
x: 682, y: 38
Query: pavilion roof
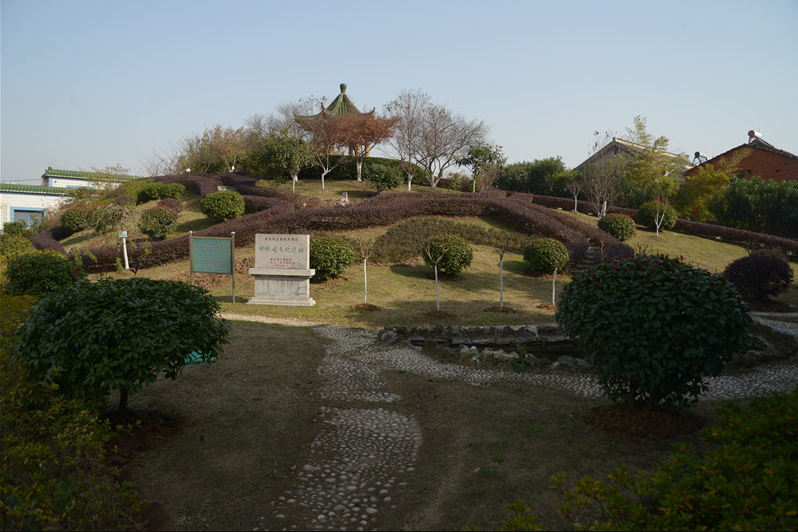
x: 341, y: 106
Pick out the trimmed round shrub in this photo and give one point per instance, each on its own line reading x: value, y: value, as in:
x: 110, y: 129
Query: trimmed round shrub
x: 158, y: 222
x: 330, y: 256
x: 618, y: 225
x: 171, y: 190
x: 41, y: 273
x: 119, y: 334
x: 546, y: 254
x: 75, y: 218
x: 223, y: 205
x: 648, y: 213
x: 149, y: 192
x: 654, y: 328
x: 759, y: 275
x: 383, y: 177
x: 453, y: 251
x: 171, y: 203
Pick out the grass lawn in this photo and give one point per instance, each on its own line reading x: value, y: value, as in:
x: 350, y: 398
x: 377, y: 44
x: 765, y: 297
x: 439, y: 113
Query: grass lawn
x: 241, y: 427
x: 406, y: 292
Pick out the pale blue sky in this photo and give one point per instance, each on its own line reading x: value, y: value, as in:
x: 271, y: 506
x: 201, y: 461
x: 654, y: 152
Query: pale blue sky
x: 89, y: 83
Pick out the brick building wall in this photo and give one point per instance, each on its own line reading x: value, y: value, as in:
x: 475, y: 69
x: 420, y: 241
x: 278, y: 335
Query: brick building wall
x: 762, y: 162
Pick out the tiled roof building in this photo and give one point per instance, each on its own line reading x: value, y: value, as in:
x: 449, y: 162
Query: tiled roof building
x: 757, y: 158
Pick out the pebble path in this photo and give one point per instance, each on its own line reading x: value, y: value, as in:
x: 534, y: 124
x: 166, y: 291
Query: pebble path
x: 361, y: 456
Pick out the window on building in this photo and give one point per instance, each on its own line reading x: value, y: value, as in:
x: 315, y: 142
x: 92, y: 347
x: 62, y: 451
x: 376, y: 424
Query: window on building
x: 29, y: 216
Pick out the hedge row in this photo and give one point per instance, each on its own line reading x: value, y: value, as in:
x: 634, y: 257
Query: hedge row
x: 281, y: 218
x: 739, y: 236
x: 270, y: 210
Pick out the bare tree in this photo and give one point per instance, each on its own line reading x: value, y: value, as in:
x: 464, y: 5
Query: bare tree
x: 430, y: 135
x: 574, y: 186
x: 435, y: 259
x: 501, y: 249
x: 660, y: 211
x: 486, y: 177
x: 603, y: 177
x: 160, y: 163
x: 216, y: 150
x: 603, y: 183
x: 364, y: 249
x: 328, y: 134
x: 443, y: 138
x: 407, y: 107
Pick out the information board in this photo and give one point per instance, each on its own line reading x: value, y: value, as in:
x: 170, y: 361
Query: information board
x: 212, y: 255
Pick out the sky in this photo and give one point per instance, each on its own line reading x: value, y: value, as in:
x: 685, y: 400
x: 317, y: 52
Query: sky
x: 91, y: 84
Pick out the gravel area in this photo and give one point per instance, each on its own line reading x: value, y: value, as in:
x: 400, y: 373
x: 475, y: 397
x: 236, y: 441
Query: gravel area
x: 364, y: 454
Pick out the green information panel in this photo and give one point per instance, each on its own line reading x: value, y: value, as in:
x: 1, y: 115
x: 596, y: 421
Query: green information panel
x: 212, y: 255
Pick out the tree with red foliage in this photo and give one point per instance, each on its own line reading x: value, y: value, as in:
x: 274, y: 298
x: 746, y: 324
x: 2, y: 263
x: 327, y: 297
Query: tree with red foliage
x: 367, y: 131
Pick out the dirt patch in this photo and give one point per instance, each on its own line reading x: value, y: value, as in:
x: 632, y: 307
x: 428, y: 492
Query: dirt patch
x: 145, y: 432
x: 548, y: 306
x: 440, y: 315
x: 501, y: 310
x: 366, y: 306
x: 331, y: 282
x: 642, y: 424
x: 214, y: 280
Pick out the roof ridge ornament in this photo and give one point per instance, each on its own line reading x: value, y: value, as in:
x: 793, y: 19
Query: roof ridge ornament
x: 343, y: 88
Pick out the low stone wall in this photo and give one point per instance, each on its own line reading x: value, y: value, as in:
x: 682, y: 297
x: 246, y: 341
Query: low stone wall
x: 546, y: 345
x: 530, y: 345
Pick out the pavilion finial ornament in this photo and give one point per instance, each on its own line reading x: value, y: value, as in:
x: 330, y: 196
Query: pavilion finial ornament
x: 343, y: 88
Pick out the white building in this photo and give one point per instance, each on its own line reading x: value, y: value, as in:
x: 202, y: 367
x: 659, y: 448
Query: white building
x: 26, y: 202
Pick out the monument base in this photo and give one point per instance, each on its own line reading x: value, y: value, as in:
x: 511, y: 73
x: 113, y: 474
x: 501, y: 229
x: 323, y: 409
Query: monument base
x: 278, y: 286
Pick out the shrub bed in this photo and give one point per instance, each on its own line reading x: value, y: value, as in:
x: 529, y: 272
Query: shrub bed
x: 744, y: 476
x: 53, y: 469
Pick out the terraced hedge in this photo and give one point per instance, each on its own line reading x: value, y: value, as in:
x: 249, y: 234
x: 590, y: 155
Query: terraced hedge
x: 270, y: 210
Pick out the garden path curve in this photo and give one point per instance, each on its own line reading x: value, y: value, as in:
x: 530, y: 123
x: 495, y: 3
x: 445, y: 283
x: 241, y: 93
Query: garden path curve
x: 363, y: 455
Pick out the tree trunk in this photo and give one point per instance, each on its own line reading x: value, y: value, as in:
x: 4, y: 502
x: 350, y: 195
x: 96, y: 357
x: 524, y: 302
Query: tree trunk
x: 365, y: 283
x: 409, y: 181
x: 501, y: 284
x: 553, y: 286
x: 437, y: 292
x: 359, y: 165
x: 123, y: 395
x: 323, y: 173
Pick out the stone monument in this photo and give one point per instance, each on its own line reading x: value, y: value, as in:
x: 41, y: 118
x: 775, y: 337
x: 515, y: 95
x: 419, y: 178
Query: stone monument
x: 282, y: 270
